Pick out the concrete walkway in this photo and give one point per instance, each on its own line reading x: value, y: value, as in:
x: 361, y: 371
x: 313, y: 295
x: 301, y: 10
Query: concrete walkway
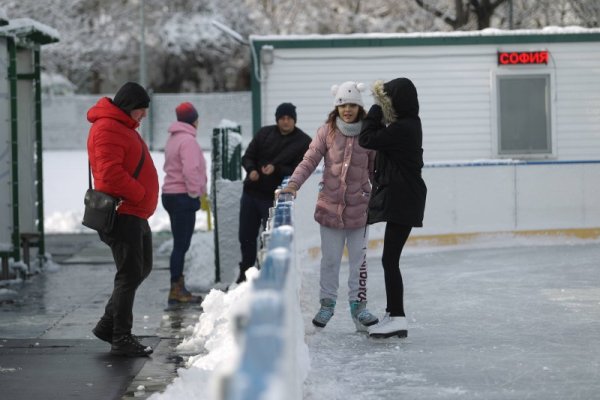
x: 47, y: 350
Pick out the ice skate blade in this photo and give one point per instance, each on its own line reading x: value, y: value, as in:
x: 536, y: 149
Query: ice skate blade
x: 400, y: 334
x: 362, y: 328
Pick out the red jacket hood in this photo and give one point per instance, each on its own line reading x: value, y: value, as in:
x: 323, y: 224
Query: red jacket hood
x: 105, y: 108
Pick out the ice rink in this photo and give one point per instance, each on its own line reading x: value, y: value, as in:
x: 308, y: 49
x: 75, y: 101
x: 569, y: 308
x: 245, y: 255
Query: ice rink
x: 484, y: 323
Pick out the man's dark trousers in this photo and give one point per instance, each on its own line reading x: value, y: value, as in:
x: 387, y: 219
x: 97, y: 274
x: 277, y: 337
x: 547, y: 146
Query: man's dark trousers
x: 131, y: 244
x: 253, y: 211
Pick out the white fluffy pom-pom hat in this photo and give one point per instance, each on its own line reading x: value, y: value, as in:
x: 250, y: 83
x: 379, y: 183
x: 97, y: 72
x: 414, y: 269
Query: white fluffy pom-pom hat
x: 348, y: 92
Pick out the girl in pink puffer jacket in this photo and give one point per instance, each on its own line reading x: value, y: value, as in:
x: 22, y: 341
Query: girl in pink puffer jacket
x: 342, y: 202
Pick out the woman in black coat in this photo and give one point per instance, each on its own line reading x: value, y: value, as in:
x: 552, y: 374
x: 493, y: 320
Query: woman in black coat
x: 393, y: 128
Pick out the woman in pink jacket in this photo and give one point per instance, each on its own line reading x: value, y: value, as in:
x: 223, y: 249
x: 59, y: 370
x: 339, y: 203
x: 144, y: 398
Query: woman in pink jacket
x: 184, y: 184
x: 341, y: 209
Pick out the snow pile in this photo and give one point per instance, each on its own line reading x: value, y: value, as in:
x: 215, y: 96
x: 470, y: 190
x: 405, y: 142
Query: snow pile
x: 225, y: 123
x: 213, y: 342
x: 200, y: 261
x: 8, y: 295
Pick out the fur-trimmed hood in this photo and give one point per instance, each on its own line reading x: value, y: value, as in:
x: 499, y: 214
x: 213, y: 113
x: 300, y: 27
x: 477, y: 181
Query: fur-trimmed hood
x: 397, y: 98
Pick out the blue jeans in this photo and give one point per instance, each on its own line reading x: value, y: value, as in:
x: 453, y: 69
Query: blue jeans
x: 182, y: 213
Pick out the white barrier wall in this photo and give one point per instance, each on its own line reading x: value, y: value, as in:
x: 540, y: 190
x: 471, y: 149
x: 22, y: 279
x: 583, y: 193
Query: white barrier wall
x: 512, y: 197
x: 476, y: 198
x: 66, y: 127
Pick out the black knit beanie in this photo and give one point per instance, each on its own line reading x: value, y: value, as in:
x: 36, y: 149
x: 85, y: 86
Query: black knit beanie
x: 285, y: 109
x: 131, y: 96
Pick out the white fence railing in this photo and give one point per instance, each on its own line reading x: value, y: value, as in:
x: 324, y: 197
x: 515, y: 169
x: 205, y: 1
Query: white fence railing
x: 274, y: 358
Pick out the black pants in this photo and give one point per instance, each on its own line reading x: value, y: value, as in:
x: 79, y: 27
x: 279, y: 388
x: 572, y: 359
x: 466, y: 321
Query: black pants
x: 253, y: 211
x: 393, y: 243
x: 131, y: 245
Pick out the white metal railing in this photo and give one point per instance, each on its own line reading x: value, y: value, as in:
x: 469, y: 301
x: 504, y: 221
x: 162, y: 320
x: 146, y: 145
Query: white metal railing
x: 273, y: 362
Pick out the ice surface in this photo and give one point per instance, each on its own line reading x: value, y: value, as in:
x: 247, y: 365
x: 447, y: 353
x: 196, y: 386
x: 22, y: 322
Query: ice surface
x: 500, y: 322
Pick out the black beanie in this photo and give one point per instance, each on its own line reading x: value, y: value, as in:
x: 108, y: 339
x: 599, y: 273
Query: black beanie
x: 285, y: 109
x: 131, y: 96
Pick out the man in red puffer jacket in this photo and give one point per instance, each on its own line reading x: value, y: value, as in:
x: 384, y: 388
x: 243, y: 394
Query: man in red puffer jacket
x: 115, y: 149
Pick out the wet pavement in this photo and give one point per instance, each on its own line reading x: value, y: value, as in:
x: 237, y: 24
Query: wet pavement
x: 47, y: 350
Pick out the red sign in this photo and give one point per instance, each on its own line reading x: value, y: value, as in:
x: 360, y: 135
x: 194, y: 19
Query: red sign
x: 522, y: 57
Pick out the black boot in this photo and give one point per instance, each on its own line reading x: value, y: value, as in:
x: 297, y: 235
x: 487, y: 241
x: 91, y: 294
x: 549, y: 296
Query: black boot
x: 242, y: 276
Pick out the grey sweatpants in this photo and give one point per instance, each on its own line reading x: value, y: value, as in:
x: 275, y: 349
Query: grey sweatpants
x: 332, y: 249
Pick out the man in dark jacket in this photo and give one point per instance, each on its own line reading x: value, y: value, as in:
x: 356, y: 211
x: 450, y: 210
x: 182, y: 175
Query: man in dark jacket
x: 393, y: 128
x: 273, y: 154
x: 116, y: 154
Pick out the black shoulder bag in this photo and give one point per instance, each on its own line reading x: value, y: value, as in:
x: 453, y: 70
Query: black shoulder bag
x: 100, y: 208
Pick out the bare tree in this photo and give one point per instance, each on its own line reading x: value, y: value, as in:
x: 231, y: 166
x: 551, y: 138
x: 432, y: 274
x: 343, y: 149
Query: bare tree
x: 588, y: 11
x: 100, y: 40
x: 464, y: 12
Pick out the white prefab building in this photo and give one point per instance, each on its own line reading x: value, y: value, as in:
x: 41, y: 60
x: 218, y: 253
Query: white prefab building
x: 511, y: 119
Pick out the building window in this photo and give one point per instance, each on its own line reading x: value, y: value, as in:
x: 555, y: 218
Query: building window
x: 524, y: 114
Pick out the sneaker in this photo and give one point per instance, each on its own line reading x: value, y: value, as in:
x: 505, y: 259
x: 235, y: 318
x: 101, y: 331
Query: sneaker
x: 103, y: 331
x: 325, y: 313
x: 389, y: 326
x: 129, y: 346
x: 361, y: 316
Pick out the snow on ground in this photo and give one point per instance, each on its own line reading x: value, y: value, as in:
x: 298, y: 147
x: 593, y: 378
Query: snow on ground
x: 487, y: 319
x: 65, y: 183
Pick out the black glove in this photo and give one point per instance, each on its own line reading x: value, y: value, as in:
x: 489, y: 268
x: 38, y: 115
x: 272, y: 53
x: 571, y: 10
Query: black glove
x: 375, y: 113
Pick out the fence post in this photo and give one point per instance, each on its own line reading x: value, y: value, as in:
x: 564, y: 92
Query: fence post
x: 231, y: 156
x: 226, y: 164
